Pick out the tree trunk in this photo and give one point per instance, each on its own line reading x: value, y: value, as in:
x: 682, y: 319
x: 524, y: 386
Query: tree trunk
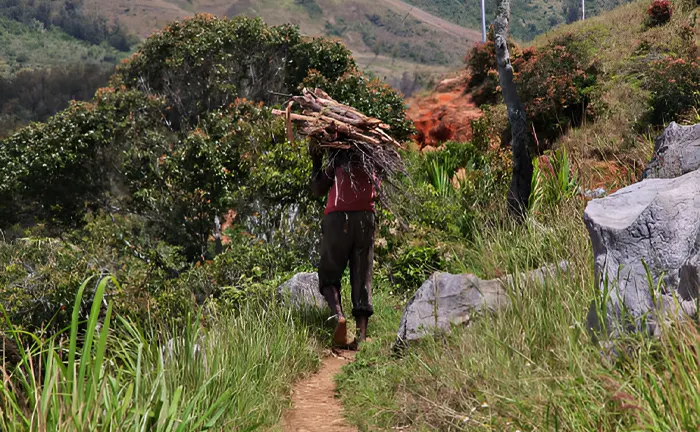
x: 520, y: 185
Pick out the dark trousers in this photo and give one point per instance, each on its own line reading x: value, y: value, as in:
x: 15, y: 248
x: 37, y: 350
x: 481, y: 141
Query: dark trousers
x: 349, y: 237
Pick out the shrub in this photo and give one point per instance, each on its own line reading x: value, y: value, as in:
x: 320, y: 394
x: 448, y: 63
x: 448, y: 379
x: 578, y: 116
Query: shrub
x: 204, y: 63
x: 675, y: 88
x: 556, y: 85
x: 55, y: 170
x: 40, y: 277
x: 413, y: 265
x: 483, y: 71
x: 659, y: 13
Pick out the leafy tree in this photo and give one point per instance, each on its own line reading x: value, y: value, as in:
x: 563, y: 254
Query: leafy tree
x: 173, y: 138
x: 205, y: 63
x: 57, y: 170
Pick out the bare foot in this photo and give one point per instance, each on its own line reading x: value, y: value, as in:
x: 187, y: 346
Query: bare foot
x: 340, y: 336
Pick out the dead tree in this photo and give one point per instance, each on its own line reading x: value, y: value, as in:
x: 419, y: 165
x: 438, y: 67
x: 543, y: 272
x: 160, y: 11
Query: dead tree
x: 521, y: 182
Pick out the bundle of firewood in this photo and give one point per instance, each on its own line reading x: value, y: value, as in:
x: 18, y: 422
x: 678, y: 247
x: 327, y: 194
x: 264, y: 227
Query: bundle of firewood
x: 330, y: 124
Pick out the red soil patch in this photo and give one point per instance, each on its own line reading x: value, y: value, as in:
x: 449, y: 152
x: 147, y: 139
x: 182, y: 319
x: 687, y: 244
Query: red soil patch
x: 444, y: 115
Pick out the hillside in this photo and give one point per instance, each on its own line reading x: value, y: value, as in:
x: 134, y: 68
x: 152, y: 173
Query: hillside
x: 388, y: 36
x: 31, y: 47
x: 532, y: 17
x: 46, y: 64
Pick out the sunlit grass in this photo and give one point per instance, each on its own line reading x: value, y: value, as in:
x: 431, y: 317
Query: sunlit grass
x: 532, y: 366
x: 235, y: 375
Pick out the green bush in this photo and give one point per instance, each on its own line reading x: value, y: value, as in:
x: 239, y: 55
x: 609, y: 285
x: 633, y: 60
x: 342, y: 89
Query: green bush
x: 557, y: 84
x: 56, y: 170
x: 675, y: 88
x: 204, y: 63
x: 413, y: 265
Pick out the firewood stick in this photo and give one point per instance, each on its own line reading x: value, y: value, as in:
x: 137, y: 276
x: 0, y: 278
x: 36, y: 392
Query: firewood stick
x: 353, y: 133
x: 288, y: 120
x: 295, y: 117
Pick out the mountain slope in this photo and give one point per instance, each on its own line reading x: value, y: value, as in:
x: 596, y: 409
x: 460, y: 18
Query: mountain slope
x: 531, y: 17
x: 389, y: 36
x: 30, y: 47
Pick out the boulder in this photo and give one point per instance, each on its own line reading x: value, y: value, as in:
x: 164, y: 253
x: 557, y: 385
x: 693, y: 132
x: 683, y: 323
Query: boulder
x: 302, y: 291
x: 676, y: 152
x: 445, y: 300
x: 646, y: 245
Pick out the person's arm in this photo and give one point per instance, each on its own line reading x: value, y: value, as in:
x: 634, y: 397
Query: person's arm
x: 321, y: 179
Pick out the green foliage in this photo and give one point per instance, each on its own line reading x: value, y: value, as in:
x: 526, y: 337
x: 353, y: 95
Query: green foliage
x: 40, y: 276
x: 558, y: 84
x: 56, y: 170
x: 35, y: 95
x: 204, y: 63
x: 553, y: 181
x: 72, y: 18
x: 24, y: 46
x: 675, y: 88
x: 413, y: 265
x: 182, y: 187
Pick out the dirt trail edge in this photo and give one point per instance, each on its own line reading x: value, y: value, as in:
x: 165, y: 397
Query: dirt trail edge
x: 314, y: 405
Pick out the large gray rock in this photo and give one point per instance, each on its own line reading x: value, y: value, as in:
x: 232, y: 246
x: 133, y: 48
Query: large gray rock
x: 302, y: 290
x: 653, y: 225
x: 676, y: 152
x: 445, y: 300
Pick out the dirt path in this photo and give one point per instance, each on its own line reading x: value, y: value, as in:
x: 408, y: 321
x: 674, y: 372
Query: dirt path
x: 314, y: 406
x: 437, y: 22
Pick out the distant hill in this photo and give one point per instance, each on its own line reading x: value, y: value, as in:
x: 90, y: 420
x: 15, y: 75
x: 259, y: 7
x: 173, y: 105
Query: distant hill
x: 52, y: 52
x: 389, y: 37
x: 25, y: 46
x: 530, y: 17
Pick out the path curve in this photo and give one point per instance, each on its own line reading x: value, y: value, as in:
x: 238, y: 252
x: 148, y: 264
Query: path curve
x: 314, y: 405
x: 435, y: 21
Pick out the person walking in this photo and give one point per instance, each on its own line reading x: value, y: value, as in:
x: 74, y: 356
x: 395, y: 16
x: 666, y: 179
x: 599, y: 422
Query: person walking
x: 347, y: 236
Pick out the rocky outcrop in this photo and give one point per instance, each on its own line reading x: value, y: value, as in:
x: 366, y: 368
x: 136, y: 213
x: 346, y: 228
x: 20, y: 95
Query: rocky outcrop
x: 302, y: 291
x: 646, y: 244
x: 676, y: 152
x: 445, y: 300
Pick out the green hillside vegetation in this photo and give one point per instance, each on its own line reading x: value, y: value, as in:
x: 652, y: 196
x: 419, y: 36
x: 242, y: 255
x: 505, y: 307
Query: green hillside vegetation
x: 178, y: 331
x: 72, y: 17
x: 372, y: 27
x: 52, y: 53
x: 532, y: 17
x: 32, y: 47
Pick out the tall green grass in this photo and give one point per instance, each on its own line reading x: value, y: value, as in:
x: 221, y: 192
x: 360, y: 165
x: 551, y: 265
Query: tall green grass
x: 533, y: 366
x: 115, y: 376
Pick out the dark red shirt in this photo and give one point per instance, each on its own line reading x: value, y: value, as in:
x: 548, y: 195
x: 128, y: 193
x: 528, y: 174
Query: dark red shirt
x: 351, y: 191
